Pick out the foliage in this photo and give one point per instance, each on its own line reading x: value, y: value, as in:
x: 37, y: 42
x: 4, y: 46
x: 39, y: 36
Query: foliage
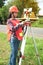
x: 3, y: 14
x: 35, y: 7
x: 1, y: 3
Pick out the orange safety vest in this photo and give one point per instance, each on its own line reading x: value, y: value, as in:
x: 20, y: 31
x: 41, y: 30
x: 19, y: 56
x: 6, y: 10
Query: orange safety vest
x: 19, y: 32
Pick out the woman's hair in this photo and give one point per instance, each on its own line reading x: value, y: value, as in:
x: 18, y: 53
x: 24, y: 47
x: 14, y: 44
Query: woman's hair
x: 9, y: 15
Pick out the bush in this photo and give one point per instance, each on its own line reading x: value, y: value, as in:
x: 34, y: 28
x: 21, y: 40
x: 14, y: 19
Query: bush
x: 4, y: 14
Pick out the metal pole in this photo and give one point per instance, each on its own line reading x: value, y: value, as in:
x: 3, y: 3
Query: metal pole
x: 37, y: 54
x: 23, y: 46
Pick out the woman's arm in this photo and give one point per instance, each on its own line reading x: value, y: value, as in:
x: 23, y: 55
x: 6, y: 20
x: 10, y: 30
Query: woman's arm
x: 12, y: 27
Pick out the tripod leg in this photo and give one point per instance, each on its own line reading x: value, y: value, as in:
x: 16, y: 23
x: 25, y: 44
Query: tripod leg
x: 37, y: 54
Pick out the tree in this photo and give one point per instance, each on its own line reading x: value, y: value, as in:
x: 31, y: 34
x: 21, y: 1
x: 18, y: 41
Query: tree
x: 31, y: 3
x: 1, y: 3
x: 1, y: 21
x: 21, y: 4
x: 35, y: 7
x: 3, y: 14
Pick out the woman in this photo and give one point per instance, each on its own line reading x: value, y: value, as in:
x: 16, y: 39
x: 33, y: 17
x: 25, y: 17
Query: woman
x: 15, y: 33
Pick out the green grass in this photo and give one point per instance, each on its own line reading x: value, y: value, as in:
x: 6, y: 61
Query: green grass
x: 30, y: 54
x: 4, y: 49
x: 38, y: 23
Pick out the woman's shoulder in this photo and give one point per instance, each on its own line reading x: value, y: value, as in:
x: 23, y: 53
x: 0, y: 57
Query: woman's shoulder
x: 8, y: 20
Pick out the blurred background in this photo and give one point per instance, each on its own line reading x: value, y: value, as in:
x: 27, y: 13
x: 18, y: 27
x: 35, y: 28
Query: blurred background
x: 36, y: 17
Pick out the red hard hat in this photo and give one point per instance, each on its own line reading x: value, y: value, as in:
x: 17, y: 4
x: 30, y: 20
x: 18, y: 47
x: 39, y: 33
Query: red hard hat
x: 13, y: 9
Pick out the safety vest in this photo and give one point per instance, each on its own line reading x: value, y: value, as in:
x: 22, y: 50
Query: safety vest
x: 18, y: 32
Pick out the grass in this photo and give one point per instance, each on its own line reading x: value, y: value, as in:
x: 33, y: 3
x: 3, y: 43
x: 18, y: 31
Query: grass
x: 30, y: 54
x: 38, y: 23
x: 4, y: 49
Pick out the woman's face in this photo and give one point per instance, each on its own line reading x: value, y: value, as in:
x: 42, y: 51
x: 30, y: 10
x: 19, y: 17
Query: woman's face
x: 15, y: 14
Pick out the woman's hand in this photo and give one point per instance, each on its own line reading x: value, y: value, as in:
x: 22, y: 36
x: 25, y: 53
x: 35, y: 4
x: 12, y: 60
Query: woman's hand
x: 27, y: 23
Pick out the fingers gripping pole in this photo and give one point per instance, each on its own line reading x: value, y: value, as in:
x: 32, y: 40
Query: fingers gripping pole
x: 35, y: 46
